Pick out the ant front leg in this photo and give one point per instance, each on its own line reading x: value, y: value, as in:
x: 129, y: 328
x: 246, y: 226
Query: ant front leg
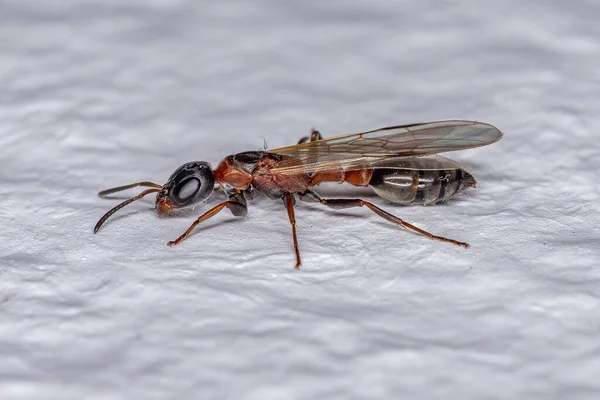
x: 338, y: 204
x: 239, y: 206
x: 314, y: 136
x: 237, y: 209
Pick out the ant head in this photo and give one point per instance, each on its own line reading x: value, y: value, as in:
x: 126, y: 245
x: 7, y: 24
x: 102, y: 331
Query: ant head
x: 190, y: 184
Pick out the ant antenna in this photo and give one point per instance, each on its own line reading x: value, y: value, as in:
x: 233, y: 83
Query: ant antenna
x: 126, y: 202
x: 106, y: 192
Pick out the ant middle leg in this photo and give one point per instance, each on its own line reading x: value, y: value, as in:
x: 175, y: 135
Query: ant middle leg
x: 288, y: 200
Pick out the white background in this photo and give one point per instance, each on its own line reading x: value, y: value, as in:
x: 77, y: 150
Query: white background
x: 96, y: 94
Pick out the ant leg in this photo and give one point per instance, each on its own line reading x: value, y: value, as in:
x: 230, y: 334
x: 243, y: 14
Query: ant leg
x: 338, y: 204
x: 232, y: 205
x: 288, y: 200
x: 239, y: 206
x: 314, y: 136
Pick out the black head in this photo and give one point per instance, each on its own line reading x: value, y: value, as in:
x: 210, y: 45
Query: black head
x: 190, y: 184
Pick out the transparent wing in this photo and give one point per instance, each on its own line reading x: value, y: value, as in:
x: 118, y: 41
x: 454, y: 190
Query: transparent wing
x: 360, y: 150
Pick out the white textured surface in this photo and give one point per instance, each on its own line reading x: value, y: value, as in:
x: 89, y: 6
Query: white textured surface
x: 97, y: 93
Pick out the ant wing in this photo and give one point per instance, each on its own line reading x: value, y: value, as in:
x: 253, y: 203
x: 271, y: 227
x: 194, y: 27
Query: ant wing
x: 361, y: 150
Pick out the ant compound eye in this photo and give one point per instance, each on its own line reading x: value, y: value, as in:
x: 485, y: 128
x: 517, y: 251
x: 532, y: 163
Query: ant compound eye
x: 191, y: 183
x: 186, y: 190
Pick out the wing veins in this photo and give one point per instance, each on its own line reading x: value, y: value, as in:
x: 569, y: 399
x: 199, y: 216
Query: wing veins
x: 356, y: 151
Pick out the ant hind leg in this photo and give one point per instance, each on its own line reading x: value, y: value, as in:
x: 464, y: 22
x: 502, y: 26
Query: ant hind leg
x: 338, y: 204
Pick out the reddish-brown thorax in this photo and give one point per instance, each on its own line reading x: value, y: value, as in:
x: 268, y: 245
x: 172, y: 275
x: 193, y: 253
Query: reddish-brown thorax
x: 237, y: 177
x: 265, y: 180
x: 231, y: 175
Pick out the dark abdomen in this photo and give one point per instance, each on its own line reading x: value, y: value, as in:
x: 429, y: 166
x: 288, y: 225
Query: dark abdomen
x: 408, y: 186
